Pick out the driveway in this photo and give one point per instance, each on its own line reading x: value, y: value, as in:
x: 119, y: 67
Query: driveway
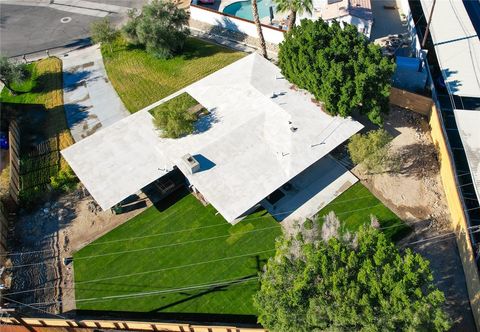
x: 32, y: 26
x: 387, y: 21
x: 91, y: 103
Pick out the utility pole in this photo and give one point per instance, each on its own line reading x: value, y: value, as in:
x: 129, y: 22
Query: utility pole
x: 427, y: 30
x: 16, y: 315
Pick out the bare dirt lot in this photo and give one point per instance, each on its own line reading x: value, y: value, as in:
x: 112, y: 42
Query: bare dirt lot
x: 51, y: 233
x: 415, y: 193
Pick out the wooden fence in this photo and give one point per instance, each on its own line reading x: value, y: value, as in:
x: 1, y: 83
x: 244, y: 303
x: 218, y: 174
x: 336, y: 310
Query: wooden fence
x: 3, y: 240
x: 14, y: 141
x: 411, y: 101
x: 126, y: 325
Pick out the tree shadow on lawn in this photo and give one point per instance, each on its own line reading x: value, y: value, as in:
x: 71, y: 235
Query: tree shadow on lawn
x: 214, y: 289
x: 196, y: 48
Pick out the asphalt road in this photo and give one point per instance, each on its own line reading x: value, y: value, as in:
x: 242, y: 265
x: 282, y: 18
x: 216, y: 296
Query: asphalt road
x: 29, y: 29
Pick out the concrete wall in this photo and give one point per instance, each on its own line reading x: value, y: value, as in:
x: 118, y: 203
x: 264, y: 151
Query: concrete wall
x: 237, y: 24
x: 456, y: 207
x: 128, y: 325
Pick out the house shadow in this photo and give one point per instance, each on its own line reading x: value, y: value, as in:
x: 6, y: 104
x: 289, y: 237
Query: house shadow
x: 166, y: 202
x: 194, y: 295
x: 205, y: 163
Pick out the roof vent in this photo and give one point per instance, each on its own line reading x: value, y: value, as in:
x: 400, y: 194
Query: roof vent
x: 192, y: 164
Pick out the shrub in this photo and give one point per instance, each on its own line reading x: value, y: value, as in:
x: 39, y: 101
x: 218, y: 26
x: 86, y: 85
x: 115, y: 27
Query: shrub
x: 173, y: 117
x: 103, y: 32
x: 372, y: 150
x: 65, y: 180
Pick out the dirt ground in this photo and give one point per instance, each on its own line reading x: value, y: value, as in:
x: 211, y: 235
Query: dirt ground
x: 415, y: 193
x: 51, y: 233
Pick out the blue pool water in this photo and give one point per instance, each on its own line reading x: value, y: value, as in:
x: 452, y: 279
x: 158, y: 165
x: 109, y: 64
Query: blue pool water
x: 243, y: 9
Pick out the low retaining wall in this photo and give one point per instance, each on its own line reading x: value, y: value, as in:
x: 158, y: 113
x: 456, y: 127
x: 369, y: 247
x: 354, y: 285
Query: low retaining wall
x: 127, y: 325
x: 225, y: 21
x: 456, y: 207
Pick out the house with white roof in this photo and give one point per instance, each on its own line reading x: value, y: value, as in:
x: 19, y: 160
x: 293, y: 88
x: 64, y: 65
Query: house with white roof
x: 355, y: 12
x: 265, y: 142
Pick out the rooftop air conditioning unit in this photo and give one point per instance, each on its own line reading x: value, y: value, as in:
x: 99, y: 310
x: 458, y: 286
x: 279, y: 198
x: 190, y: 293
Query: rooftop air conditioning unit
x: 192, y: 164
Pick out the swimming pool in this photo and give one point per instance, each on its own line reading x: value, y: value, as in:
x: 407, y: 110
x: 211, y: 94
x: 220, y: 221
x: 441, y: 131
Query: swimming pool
x: 243, y: 9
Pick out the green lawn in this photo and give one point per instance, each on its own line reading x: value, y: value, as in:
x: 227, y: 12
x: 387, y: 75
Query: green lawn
x: 183, y: 246
x: 354, y: 207
x: 141, y: 79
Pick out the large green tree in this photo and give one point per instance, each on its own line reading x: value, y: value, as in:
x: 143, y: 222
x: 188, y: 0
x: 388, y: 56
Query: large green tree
x: 321, y: 280
x: 294, y: 7
x: 162, y: 28
x: 339, y: 67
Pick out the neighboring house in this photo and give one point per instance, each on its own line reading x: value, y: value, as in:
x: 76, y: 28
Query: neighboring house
x: 356, y: 12
x: 263, y: 142
x: 226, y: 16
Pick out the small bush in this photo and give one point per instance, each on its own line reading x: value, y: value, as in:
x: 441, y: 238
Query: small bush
x: 173, y: 118
x: 103, y: 32
x: 65, y: 180
x: 371, y: 150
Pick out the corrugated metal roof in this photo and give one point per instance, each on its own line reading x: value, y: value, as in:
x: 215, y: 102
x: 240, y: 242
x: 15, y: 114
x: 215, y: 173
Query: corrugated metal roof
x: 457, y: 46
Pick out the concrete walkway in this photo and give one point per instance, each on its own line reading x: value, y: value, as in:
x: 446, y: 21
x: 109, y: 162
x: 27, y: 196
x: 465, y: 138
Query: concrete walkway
x: 91, y: 103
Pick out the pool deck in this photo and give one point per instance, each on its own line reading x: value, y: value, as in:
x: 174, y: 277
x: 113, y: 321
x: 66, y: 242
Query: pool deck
x: 219, y: 6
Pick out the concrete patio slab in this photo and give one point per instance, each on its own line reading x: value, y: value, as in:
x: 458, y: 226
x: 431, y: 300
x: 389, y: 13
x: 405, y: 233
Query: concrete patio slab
x: 91, y: 102
x: 310, y: 191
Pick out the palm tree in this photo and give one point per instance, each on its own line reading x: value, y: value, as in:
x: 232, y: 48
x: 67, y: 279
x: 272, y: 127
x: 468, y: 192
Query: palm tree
x: 256, y: 19
x: 294, y: 7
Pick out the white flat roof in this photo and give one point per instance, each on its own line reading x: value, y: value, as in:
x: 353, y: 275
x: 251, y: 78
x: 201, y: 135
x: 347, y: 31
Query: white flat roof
x: 468, y: 122
x: 248, y: 151
x: 457, y: 46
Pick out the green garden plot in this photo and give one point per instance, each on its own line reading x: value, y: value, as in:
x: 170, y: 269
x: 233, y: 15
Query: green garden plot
x: 185, y: 258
